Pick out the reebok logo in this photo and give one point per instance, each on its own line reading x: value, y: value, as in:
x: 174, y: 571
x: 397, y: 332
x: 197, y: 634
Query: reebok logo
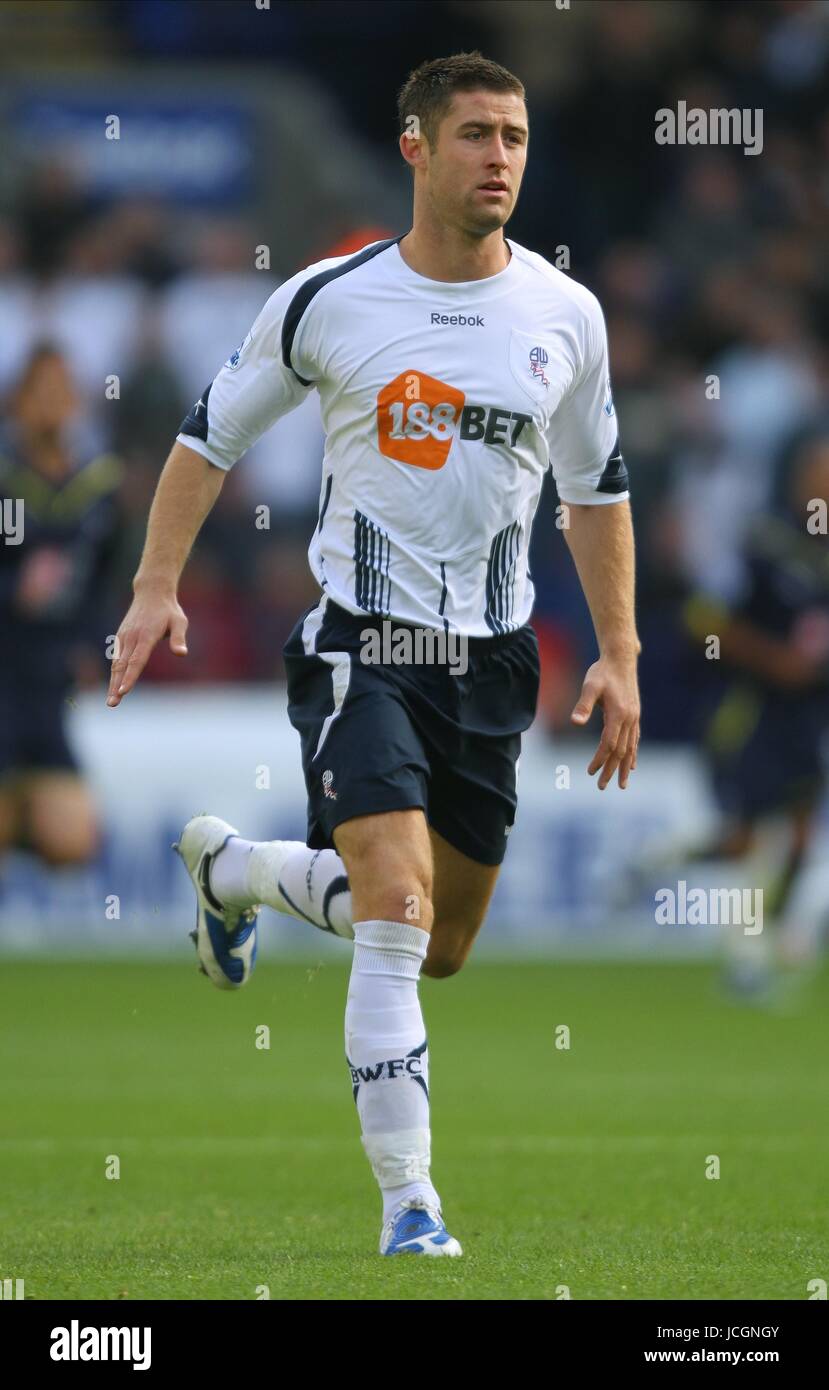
x: 462, y: 320
x: 76, y: 1343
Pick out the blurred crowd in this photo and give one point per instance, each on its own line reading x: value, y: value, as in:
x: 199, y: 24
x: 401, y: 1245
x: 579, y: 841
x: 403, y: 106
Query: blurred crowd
x: 710, y: 264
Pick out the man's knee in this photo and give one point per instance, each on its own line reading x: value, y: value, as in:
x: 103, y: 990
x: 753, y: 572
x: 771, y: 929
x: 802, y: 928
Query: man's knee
x: 399, y: 892
x: 402, y: 893
x: 403, y: 898
x: 390, y: 879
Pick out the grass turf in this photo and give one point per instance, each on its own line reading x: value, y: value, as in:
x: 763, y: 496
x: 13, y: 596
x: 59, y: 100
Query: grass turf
x: 242, y: 1167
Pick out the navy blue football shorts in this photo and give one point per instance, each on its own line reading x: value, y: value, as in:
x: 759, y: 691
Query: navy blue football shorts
x: 32, y: 728
x: 379, y: 736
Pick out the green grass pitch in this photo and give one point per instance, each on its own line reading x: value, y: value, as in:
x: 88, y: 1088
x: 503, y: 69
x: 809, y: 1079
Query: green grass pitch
x: 242, y: 1167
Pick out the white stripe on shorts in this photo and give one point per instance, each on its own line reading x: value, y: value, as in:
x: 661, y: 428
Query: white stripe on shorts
x: 340, y: 663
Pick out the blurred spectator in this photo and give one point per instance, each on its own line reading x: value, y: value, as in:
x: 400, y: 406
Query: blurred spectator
x: 55, y: 593
x: 205, y: 312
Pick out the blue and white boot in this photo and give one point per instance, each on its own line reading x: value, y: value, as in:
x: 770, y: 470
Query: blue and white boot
x: 225, y: 936
x: 417, y: 1229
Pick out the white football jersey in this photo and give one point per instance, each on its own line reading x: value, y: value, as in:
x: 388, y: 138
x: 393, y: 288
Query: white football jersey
x: 444, y: 403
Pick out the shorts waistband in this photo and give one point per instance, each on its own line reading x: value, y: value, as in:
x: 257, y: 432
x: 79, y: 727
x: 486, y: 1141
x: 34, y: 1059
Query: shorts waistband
x: 374, y: 621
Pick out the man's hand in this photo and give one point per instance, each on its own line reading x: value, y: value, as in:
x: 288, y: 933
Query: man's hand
x: 611, y: 682
x: 186, y: 491
x: 152, y: 614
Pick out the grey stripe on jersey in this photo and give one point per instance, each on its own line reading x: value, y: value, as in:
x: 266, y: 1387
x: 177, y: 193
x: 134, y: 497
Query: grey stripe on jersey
x: 323, y: 509
x: 443, y: 594
x: 372, y: 553
x: 499, y: 614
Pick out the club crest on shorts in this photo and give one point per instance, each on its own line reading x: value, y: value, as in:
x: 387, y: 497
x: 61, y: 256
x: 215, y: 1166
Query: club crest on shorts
x: 328, y: 784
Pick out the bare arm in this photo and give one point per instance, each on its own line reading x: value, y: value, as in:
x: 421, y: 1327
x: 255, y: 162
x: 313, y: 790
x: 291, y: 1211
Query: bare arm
x: 186, y: 491
x: 601, y: 543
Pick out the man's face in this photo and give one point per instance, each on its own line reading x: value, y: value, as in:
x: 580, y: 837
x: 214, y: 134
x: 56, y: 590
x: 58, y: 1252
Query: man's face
x: 482, y: 140
x: 47, y: 399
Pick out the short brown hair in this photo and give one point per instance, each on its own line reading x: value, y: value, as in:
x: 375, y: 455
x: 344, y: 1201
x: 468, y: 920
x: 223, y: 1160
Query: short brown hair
x: 428, y: 90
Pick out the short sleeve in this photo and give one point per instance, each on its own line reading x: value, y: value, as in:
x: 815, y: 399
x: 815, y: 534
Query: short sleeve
x: 583, y: 435
x: 254, y: 388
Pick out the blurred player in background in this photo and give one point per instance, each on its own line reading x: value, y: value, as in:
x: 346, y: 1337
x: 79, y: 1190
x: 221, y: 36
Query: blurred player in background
x: 54, y: 567
x: 764, y: 741
x: 454, y: 367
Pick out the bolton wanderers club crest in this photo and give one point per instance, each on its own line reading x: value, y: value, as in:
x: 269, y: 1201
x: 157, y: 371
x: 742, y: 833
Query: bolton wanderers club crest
x: 538, y: 361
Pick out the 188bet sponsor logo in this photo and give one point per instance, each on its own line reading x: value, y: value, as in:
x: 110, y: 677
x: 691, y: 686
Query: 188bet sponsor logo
x: 417, y: 417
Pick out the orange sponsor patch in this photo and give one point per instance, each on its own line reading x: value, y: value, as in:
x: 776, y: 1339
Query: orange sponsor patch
x: 416, y: 419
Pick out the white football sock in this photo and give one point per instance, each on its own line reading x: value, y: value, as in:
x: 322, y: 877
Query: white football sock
x: 229, y: 872
x: 310, y: 884
x: 386, y: 1049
